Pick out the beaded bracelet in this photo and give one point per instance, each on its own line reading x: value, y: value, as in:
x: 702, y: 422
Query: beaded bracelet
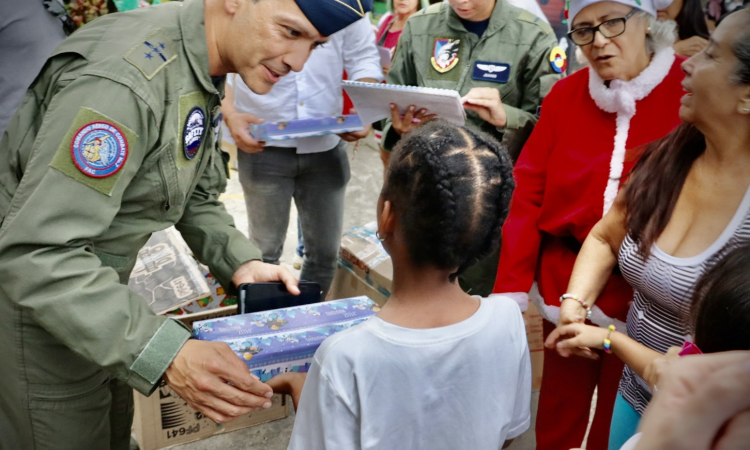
x: 582, y: 302
x: 607, y: 341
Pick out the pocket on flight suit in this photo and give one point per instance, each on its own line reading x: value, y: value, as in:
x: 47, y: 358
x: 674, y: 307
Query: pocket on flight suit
x: 73, y: 415
x: 160, y: 170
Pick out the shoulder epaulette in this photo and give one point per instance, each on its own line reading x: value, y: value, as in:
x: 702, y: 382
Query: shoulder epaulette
x: 152, y: 54
x: 526, y: 16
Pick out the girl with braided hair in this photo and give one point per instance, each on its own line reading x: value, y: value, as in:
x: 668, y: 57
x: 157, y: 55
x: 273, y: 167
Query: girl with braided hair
x: 436, y: 368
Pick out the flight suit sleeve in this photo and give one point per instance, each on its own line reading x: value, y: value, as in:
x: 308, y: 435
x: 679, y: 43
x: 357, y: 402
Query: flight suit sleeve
x: 537, y: 80
x: 208, y: 228
x: 48, y: 265
x: 402, y: 72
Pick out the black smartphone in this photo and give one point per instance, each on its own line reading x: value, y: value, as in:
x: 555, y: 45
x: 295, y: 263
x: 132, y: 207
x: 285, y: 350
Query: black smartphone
x: 256, y: 297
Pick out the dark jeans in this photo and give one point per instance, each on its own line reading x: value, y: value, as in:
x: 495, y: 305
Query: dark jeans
x: 316, y: 181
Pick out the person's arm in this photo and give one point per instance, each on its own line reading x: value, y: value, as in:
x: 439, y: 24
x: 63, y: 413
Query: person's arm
x: 362, y: 63
x: 210, y: 233
x: 577, y: 336
x: 703, y: 402
x: 238, y: 122
x: 595, y: 261
x: 324, y: 419
x: 521, y: 237
x: 47, y: 257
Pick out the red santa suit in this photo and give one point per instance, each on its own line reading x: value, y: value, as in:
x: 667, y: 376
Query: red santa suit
x: 567, y: 177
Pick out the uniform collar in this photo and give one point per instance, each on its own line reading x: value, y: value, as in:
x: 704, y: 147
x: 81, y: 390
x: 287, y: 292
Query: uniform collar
x: 497, y: 19
x: 193, y: 30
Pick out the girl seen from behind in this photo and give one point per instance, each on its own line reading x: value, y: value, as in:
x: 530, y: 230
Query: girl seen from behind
x: 436, y: 368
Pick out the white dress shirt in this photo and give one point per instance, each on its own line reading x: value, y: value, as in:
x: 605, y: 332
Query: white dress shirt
x: 316, y: 90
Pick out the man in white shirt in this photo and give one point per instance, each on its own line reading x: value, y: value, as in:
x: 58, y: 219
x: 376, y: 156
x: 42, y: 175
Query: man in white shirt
x: 313, y: 171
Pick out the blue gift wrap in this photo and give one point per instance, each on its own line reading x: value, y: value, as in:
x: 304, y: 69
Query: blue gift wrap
x: 271, y: 354
x: 285, y: 319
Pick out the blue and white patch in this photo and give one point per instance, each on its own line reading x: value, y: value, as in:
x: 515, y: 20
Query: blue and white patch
x: 491, y: 71
x: 99, y: 149
x: 192, y: 134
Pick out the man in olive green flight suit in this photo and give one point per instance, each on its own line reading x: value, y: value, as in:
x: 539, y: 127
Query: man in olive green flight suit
x: 503, y: 75
x: 117, y: 138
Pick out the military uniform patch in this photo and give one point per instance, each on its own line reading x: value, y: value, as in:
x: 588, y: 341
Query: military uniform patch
x: 558, y: 60
x: 445, y: 54
x: 153, y: 54
x: 192, y: 134
x: 99, y: 149
x: 94, y: 150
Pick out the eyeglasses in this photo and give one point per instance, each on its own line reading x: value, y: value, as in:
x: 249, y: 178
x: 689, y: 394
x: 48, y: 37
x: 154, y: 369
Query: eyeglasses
x: 609, y: 29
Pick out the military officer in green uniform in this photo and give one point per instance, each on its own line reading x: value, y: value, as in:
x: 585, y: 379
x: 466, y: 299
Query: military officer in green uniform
x: 503, y: 61
x: 117, y: 138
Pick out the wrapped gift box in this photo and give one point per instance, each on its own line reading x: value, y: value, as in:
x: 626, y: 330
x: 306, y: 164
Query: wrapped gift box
x: 284, y: 320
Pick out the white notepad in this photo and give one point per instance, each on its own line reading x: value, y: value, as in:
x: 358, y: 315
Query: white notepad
x: 373, y: 100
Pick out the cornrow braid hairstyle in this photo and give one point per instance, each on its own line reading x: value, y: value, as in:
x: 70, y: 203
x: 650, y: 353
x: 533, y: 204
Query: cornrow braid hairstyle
x: 450, y: 187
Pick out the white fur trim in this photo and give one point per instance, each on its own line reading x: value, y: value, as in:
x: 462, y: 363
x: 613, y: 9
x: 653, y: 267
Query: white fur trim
x: 551, y: 313
x: 620, y: 98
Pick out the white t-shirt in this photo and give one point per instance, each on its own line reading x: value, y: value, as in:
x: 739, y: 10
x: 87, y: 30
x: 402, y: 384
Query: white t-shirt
x: 381, y: 386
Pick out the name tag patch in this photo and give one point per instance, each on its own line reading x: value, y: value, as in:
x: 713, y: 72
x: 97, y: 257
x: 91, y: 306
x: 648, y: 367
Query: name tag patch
x: 491, y: 71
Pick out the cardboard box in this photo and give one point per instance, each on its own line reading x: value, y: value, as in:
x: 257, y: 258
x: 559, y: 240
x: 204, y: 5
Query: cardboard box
x: 535, y: 335
x: 164, y: 419
x: 364, y: 267
x: 165, y: 273
x: 285, y: 319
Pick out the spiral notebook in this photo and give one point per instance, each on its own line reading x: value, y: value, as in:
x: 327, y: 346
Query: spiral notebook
x: 373, y: 100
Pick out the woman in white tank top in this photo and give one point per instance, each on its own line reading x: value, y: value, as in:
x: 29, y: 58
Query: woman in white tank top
x: 686, y: 204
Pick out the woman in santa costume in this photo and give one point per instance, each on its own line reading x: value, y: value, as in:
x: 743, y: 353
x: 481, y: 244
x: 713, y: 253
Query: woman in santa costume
x: 591, y: 128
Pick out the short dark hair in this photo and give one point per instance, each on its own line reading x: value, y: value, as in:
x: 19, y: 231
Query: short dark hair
x: 450, y: 187
x: 720, y: 310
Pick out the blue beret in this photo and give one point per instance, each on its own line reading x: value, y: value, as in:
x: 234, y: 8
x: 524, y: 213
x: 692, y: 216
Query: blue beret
x: 330, y: 16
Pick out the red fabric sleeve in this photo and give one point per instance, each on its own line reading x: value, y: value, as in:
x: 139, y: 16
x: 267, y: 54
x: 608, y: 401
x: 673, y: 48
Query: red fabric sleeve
x: 521, y: 236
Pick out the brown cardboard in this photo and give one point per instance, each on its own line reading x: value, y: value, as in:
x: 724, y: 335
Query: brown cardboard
x: 535, y: 335
x: 364, y: 267
x: 164, y: 419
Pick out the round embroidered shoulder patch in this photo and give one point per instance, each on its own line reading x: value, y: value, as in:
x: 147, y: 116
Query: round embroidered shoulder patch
x: 192, y: 134
x: 99, y: 149
x: 558, y: 60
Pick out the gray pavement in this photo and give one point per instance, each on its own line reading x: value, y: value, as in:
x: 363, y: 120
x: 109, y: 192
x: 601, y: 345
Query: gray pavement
x: 361, y: 199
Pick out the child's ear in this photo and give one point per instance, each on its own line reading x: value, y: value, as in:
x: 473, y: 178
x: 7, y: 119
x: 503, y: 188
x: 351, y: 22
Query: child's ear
x: 387, y: 220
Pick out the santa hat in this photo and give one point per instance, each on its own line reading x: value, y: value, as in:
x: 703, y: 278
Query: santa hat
x: 573, y: 7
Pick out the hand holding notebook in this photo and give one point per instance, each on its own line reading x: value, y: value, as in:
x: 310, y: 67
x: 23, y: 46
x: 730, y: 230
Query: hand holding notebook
x: 373, y: 101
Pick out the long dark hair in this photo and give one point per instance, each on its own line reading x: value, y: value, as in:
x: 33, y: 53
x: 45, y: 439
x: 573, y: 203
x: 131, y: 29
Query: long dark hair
x: 450, y: 187
x: 720, y: 310
x: 657, y: 178
x: 656, y: 182
x: 691, y: 21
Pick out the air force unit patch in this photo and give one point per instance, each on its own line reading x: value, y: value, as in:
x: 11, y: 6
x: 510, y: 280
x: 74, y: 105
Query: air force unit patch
x: 490, y: 71
x: 445, y: 54
x: 94, y: 150
x: 99, y: 149
x: 192, y: 134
